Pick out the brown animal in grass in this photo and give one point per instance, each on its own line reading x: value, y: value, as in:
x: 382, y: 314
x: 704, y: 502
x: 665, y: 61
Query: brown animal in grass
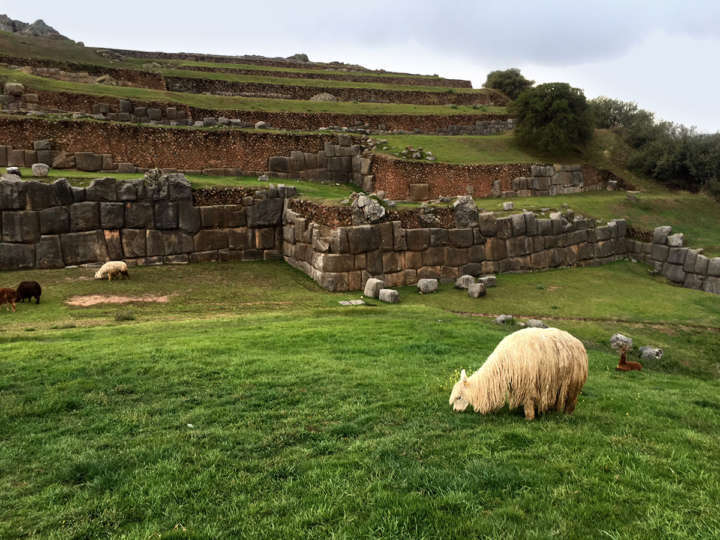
x: 7, y: 296
x: 29, y: 290
x: 624, y: 365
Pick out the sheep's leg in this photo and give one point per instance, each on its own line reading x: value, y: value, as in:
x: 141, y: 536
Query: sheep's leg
x: 529, y: 407
x: 570, y: 407
x: 13, y: 306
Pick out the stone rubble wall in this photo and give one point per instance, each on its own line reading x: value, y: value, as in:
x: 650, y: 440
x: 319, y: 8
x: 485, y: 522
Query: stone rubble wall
x: 681, y: 265
x: 128, y: 77
x: 343, y: 161
x: 343, y: 258
x: 147, y: 147
x: 338, y: 76
x: 417, y: 180
x: 289, y: 91
x: 450, y: 124
x: 138, y: 221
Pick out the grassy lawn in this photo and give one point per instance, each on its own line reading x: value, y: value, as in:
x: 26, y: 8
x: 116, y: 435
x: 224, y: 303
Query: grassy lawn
x: 312, y: 68
x: 220, y: 103
x: 318, y: 191
x: 322, y: 83
x: 253, y: 405
x: 460, y: 149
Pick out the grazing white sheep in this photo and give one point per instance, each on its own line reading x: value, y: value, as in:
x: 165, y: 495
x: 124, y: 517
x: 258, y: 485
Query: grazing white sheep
x: 112, y: 269
x: 538, y: 368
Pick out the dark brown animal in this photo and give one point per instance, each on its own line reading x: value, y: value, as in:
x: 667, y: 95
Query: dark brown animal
x: 7, y: 296
x: 29, y: 290
x: 624, y: 365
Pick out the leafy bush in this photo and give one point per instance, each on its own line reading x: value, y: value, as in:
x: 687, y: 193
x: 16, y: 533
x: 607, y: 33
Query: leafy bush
x: 612, y: 113
x: 510, y: 82
x: 667, y: 152
x: 552, y: 117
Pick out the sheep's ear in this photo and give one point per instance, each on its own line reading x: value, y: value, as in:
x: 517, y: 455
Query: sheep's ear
x: 463, y: 376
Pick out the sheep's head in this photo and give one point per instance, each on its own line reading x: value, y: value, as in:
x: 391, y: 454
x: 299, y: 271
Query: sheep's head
x: 98, y: 274
x: 458, y: 396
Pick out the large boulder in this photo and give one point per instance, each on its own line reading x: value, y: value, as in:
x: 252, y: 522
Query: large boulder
x: 40, y: 170
x: 373, y: 287
x: 390, y: 296
x: 463, y: 282
x: 476, y: 290
x: 427, y: 286
x: 465, y: 212
x: 366, y: 210
x: 323, y: 96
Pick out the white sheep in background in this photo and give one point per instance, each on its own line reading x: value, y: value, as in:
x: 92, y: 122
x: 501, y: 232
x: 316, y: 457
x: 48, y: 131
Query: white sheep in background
x: 112, y: 269
x: 538, y: 368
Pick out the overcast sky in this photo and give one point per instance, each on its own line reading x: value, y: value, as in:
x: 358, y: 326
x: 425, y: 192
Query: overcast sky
x: 662, y: 54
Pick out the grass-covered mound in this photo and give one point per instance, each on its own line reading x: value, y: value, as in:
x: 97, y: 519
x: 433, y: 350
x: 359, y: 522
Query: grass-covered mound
x: 253, y: 405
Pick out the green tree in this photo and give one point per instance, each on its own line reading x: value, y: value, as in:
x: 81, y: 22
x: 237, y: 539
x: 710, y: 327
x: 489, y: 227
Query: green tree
x: 553, y: 118
x: 509, y: 81
x: 611, y: 113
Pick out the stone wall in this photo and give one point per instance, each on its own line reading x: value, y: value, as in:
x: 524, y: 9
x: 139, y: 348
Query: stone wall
x: 417, y: 180
x: 161, y: 147
x: 450, y: 124
x: 343, y: 258
x: 343, y: 161
x: 682, y: 265
x: 139, y: 221
x: 339, y: 76
x: 127, y: 77
x: 288, y: 91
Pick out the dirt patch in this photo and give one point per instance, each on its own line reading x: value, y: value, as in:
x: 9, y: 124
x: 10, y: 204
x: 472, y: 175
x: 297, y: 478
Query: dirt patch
x: 94, y: 299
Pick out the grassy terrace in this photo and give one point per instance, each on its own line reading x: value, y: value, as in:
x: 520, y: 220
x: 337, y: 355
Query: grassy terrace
x: 316, y: 191
x: 322, y: 68
x: 226, y: 412
x: 322, y: 83
x: 221, y: 103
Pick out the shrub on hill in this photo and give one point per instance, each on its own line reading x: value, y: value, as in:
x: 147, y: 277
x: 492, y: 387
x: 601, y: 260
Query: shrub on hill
x: 509, y: 81
x: 667, y: 152
x: 553, y: 118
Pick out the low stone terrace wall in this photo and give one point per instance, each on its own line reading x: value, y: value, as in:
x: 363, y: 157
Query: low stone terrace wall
x: 288, y: 91
x: 417, y: 180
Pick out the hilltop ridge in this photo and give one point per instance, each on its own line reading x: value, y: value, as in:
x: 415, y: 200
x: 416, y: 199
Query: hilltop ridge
x: 37, y: 29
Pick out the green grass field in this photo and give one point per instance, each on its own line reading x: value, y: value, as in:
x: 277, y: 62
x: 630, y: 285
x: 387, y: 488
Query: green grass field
x: 316, y: 68
x: 321, y: 83
x: 220, y: 103
x: 253, y: 405
x: 328, y: 192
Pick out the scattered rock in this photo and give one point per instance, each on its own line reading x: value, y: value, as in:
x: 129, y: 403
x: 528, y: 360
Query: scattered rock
x: 366, y: 210
x: 358, y: 302
x: 373, y: 287
x: 263, y: 178
x: 391, y: 296
x: 465, y: 212
x: 14, y: 170
x: 489, y: 280
x: 476, y: 290
x: 676, y: 240
x: 261, y: 125
x: 427, y: 286
x: 40, y: 170
x: 535, y: 323
x: 463, y: 282
x: 323, y: 96
x: 509, y: 205
x: 650, y: 353
x: 620, y: 342
x: 504, y: 319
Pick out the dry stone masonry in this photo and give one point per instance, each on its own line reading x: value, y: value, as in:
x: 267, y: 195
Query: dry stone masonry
x: 141, y: 221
